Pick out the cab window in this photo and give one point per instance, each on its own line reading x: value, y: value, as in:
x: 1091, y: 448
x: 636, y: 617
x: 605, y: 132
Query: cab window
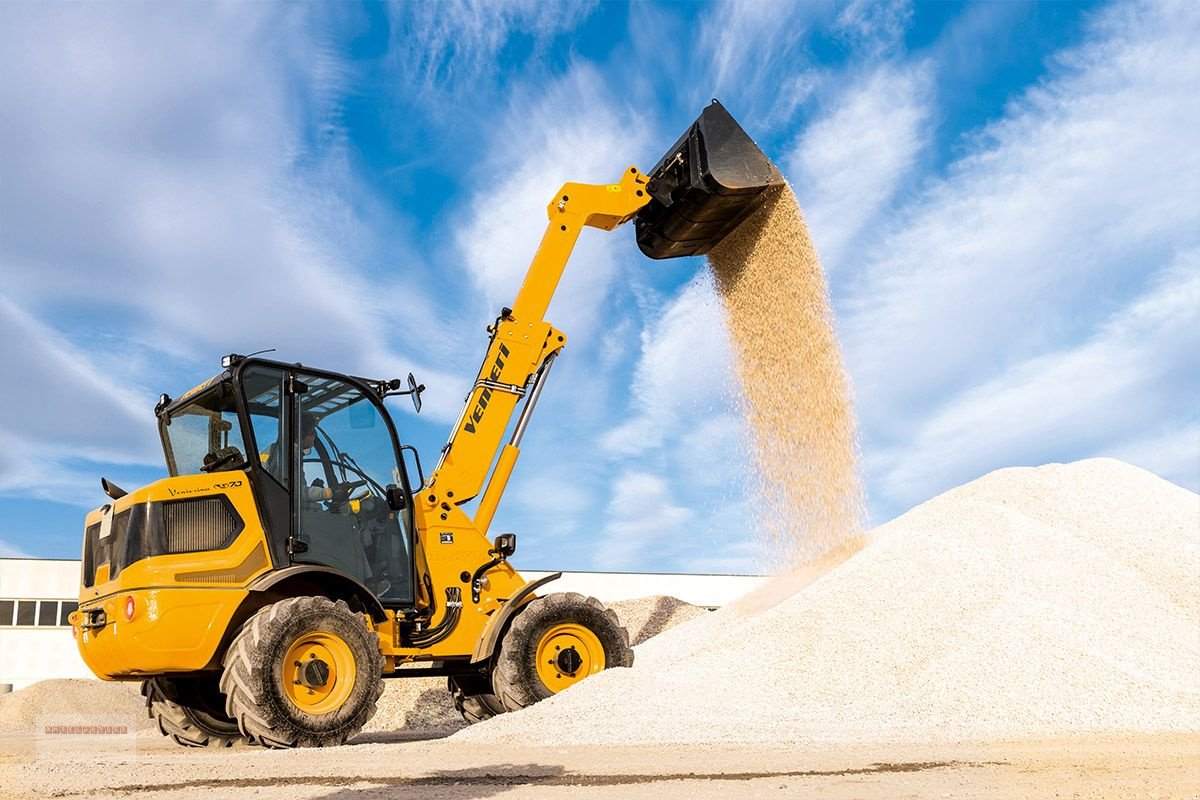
x: 264, y: 389
x: 204, y: 435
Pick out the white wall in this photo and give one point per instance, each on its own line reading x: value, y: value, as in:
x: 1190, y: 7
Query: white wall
x: 29, y: 654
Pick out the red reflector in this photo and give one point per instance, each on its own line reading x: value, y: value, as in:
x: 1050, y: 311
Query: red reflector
x: 128, y: 608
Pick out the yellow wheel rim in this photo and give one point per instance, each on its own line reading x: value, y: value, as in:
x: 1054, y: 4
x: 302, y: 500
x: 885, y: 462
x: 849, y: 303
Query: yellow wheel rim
x: 567, y: 654
x: 318, y: 672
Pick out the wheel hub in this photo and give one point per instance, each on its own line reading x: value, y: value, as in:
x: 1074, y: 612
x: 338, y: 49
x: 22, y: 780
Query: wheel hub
x: 566, y: 654
x: 314, y: 673
x: 318, y: 672
x: 569, y: 661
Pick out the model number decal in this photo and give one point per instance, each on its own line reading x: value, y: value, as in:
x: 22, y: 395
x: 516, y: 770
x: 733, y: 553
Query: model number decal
x: 205, y: 490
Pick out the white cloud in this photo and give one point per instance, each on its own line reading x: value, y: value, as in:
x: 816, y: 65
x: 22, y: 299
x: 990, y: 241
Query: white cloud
x: 874, y: 26
x: 984, y: 287
x: 1104, y: 396
x: 558, y: 499
x: 56, y: 398
x: 453, y: 44
x: 574, y: 130
x: 175, y: 189
x: 682, y: 376
x: 644, y: 522
x: 682, y: 429
x: 847, y: 165
x: 711, y: 452
x: 1088, y: 177
x: 737, y: 557
x: 742, y: 45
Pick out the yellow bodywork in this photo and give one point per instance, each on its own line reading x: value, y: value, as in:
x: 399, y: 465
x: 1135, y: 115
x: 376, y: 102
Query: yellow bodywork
x: 183, y: 604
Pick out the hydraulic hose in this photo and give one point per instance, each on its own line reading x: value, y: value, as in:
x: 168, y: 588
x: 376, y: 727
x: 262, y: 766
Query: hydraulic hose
x: 437, y: 633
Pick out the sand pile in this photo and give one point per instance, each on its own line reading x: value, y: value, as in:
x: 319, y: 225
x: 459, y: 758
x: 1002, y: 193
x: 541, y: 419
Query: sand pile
x: 83, y: 702
x: 796, y: 394
x: 647, y: 617
x: 1028, y: 603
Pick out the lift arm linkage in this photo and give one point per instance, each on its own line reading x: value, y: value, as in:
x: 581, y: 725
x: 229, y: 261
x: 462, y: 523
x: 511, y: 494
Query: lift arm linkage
x: 524, y: 345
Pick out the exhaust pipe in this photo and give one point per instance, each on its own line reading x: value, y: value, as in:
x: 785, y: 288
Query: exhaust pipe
x: 706, y: 184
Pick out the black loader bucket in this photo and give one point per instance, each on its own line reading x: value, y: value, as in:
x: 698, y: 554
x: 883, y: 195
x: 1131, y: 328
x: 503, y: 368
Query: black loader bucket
x: 706, y: 184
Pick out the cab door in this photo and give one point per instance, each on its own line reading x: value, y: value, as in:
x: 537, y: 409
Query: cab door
x: 345, y: 456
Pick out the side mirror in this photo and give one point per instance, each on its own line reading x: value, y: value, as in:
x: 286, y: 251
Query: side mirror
x: 414, y: 390
x: 506, y: 545
x: 396, y: 499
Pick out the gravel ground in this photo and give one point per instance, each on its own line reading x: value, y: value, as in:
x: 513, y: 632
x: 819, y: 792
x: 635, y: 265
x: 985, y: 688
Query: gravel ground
x: 1140, y: 767
x: 72, y: 702
x: 1029, y: 603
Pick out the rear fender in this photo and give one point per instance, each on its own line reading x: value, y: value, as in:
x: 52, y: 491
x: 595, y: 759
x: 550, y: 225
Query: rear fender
x: 312, y: 579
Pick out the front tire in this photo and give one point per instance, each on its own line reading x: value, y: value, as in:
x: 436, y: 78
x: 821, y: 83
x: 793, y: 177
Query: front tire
x: 303, y: 672
x: 191, y: 712
x: 473, y: 698
x: 553, y: 643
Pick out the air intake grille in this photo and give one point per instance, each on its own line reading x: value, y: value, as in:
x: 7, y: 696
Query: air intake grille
x: 201, y: 524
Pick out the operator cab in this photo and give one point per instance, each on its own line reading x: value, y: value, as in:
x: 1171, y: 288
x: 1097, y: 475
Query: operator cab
x: 323, y: 459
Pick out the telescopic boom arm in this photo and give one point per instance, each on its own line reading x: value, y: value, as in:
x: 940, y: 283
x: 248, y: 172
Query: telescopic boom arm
x: 523, y: 347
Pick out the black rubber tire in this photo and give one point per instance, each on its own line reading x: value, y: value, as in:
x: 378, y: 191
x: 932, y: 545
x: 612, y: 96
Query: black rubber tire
x: 515, y: 679
x: 473, y: 698
x: 190, y: 711
x: 253, y: 676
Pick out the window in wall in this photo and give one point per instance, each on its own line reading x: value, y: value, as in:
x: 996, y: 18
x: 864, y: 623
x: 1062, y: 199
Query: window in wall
x: 26, y: 612
x: 47, y: 613
x: 67, y: 607
x: 7, y: 607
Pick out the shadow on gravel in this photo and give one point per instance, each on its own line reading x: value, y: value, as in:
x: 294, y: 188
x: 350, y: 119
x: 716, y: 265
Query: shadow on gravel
x: 464, y: 784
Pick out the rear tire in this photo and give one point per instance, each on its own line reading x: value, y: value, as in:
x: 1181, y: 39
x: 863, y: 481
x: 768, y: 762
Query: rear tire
x: 189, y: 710
x: 473, y: 698
x: 303, y: 672
x: 536, y: 658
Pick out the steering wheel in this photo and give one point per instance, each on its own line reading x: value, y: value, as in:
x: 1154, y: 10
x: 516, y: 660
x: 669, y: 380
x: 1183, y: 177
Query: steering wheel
x: 340, y: 492
x: 222, y: 458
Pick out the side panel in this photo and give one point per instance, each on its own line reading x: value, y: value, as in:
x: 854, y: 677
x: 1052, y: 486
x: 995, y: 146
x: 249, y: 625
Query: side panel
x: 172, y: 630
x: 183, y: 602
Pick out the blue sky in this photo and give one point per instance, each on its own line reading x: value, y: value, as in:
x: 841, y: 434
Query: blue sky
x: 1006, y: 197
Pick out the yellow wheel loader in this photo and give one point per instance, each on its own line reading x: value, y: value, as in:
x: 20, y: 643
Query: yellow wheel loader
x: 293, y: 560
